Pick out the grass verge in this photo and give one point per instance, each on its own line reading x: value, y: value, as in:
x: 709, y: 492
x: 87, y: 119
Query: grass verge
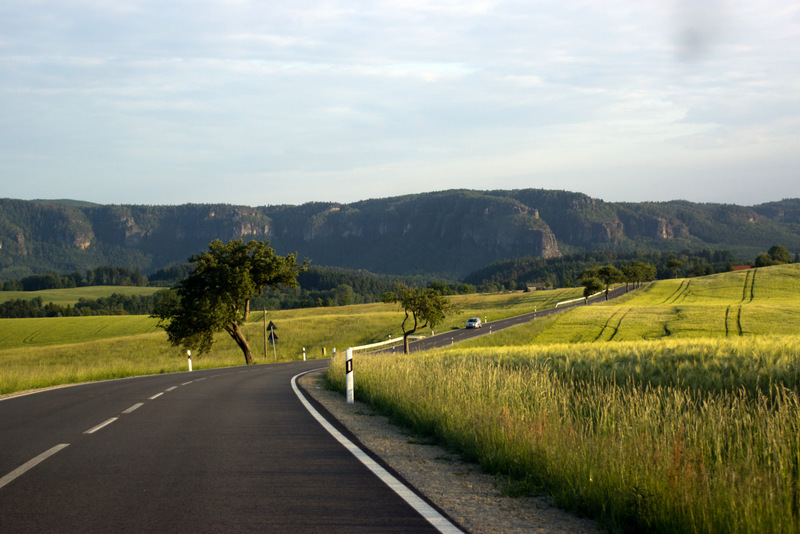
x: 679, y: 436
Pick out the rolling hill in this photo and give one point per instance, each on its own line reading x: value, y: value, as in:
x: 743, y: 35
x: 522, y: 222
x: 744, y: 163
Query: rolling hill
x: 449, y: 232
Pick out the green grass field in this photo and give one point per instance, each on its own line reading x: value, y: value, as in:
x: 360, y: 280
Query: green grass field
x: 18, y: 333
x: 49, y: 351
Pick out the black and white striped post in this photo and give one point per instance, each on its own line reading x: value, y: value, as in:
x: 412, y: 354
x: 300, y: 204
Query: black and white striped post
x: 348, y: 366
x: 348, y: 363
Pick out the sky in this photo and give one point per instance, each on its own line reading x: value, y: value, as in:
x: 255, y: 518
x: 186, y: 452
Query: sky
x: 274, y: 102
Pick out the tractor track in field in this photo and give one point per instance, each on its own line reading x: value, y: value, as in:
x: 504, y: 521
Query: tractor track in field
x: 681, y: 290
x: 31, y: 338
x: 738, y: 321
x: 727, y: 313
x: 609, y: 326
x: 748, y: 289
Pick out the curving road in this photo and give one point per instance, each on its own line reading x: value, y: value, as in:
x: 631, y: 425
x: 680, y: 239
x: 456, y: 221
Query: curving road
x: 225, y: 450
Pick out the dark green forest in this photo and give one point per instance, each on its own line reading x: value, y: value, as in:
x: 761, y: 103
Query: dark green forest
x: 446, y: 234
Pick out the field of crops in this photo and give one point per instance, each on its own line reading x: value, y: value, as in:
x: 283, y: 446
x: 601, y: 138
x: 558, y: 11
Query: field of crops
x: 744, y: 303
x: 673, y: 409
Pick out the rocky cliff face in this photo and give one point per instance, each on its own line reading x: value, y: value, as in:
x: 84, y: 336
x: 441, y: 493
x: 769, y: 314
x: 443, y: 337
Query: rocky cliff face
x: 448, y: 232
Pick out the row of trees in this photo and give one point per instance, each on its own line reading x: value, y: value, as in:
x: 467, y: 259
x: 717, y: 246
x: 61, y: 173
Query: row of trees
x: 602, y: 277
x: 100, y: 276
x: 596, y: 278
x: 567, y: 270
x: 115, y: 304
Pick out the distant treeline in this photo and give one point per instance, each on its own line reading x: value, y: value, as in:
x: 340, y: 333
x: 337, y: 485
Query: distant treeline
x: 333, y: 286
x: 319, y: 286
x: 115, y: 304
x: 100, y: 276
x: 566, y: 271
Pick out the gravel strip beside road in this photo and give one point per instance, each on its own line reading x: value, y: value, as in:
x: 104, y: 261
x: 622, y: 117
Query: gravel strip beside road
x: 468, y: 495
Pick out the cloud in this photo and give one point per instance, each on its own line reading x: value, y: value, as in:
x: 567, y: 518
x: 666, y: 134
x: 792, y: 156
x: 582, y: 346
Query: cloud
x: 357, y: 98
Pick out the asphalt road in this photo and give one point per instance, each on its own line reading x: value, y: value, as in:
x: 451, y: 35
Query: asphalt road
x: 225, y: 450
x: 451, y: 337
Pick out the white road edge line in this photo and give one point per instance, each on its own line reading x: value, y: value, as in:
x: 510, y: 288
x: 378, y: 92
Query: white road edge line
x: 441, y: 523
x: 101, y: 425
x: 31, y: 463
x: 134, y: 407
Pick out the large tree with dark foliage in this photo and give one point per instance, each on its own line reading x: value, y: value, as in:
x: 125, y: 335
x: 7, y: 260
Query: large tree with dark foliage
x: 216, y: 295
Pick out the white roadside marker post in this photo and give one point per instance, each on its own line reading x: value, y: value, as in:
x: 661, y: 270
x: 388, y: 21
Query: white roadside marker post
x: 348, y: 366
x: 304, y: 354
x: 189, y: 355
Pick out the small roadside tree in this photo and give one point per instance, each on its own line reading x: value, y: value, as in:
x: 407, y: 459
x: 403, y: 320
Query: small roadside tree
x: 216, y: 295
x: 638, y: 272
x: 591, y: 285
x: 423, y: 307
x: 607, y: 274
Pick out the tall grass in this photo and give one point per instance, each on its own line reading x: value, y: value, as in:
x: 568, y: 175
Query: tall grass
x: 670, y: 438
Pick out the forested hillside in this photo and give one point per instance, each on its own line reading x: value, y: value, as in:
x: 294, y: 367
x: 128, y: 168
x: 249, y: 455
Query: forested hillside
x: 448, y: 233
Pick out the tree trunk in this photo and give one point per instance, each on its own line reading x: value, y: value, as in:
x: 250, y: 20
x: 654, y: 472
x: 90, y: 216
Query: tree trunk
x: 408, y: 333
x: 238, y: 336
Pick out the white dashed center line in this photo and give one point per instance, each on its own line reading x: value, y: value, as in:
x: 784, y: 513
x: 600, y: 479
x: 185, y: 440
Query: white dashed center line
x: 30, y: 464
x: 19, y: 471
x: 134, y: 407
x: 101, y: 425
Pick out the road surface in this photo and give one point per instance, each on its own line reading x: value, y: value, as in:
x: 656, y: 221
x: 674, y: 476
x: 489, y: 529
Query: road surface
x: 224, y: 450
